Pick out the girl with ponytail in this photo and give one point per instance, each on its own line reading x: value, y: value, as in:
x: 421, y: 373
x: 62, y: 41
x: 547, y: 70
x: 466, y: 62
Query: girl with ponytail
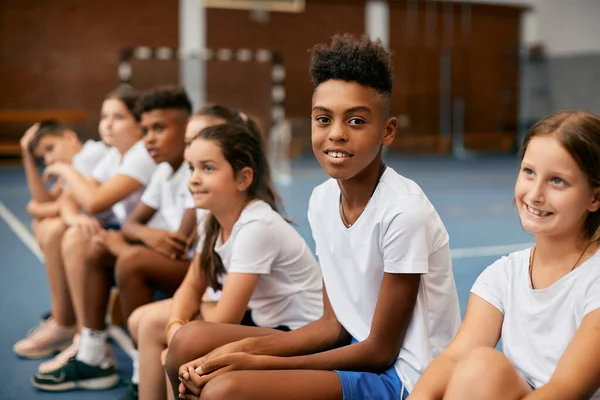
x: 268, y: 278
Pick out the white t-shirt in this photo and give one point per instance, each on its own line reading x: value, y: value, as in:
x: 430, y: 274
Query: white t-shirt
x: 168, y: 194
x: 137, y: 164
x: 399, y: 232
x: 538, y: 324
x: 289, y: 289
x: 90, y: 154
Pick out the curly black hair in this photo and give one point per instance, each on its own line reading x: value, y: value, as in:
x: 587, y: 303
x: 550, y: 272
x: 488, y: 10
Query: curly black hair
x: 353, y: 59
x: 164, y: 98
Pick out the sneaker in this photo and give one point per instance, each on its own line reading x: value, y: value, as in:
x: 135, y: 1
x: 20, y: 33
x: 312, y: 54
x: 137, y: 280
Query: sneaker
x: 65, y: 355
x: 61, y: 358
x: 78, y: 375
x: 44, y: 340
x: 131, y: 392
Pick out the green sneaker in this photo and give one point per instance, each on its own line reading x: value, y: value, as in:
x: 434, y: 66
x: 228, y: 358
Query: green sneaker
x: 78, y: 375
x: 131, y: 392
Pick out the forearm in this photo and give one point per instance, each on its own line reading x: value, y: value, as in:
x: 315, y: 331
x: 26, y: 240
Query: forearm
x: 320, y: 335
x: 44, y: 210
x: 69, y: 210
x: 135, y: 231
x: 186, y: 303
x: 38, y: 190
x: 555, y: 391
x: 433, y: 382
x: 188, y: 222
x: 83, y: 191
x: 362, y: 356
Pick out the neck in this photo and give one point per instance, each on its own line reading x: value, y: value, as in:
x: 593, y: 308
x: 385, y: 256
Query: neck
x: 228, y: 216
x: 357, y: 190
x: 556, y: 252
x: 176, y: 163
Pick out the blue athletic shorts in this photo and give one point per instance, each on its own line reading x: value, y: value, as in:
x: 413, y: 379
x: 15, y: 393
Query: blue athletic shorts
x: 371, y: 386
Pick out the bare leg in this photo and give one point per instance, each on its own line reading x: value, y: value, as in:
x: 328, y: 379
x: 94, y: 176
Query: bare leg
x: 274, y: 385
x: 486, y: 374
x: 198, y: 338
x: 50, y: 235
x: 77, y: 247
x: 95, y: 280
x: 151, y: 342
x: 139, y: 270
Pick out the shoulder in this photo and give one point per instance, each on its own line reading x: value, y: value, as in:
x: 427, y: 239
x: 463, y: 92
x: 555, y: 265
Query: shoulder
x: 509, y: 265
x: 401, y: 201
x: 94, y: 147
x: 258, y: 212
x: 323, y: 192
x: 163, y: 171
x: 137, y: 153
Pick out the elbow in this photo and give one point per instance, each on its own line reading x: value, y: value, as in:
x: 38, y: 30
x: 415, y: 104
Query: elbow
x: 383, y: 357
x: 92, y: 207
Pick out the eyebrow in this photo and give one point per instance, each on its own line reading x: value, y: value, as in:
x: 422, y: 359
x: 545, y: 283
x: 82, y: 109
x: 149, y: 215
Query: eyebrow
x: 348, y: 111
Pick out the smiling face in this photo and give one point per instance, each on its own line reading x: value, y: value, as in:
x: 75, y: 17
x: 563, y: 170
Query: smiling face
x: 552, y: 194
x: 213, y: 183
x: 349, y: 125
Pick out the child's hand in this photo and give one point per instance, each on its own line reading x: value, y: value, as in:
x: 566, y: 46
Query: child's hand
x: 194, y: 365
x: 171, y: 245
x: 89, y: 226
x: 54, y: 170
x: 28, y: 137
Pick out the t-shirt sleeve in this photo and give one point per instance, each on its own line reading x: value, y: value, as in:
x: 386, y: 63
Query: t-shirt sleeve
x: 491, y: 284
x: 151, y: 196
x: 138, y: 164
x: 255, y: 249
x: 406, y: 243
x: 592, y: 296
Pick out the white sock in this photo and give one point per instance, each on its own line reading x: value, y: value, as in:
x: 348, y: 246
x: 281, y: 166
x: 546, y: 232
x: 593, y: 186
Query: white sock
x: 135, y: 378
x: 92, y: 349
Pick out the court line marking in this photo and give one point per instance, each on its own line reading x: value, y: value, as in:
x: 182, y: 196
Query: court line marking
x: 116, y: 333
x: 488, y: 251
x: 21, y: 231
x: 126, y: 344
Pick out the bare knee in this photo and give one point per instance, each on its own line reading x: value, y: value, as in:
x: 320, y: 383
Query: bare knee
x: 50, y: 232
x: 133, y: 322
x: 485, y: 371
x: 95, y: 253
x: 225, y: 386
x: 186, y: 346
x: 128, y: 264
x: 73, y: 239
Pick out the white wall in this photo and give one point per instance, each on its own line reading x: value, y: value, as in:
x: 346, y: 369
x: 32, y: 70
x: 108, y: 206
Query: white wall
x: 565, y: 27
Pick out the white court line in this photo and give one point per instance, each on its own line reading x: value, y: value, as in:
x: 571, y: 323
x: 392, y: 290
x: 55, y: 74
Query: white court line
x: 488, y: 251
x: 21, y: 231
x: 116, y: 333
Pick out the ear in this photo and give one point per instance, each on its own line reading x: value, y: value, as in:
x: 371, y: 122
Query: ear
x: 595, y: 203
x: 244, y: 178
x: 391, y: 126
x: 71, y: 135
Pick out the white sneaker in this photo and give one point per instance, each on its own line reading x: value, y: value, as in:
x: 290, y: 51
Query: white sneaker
x: 44, y: 340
